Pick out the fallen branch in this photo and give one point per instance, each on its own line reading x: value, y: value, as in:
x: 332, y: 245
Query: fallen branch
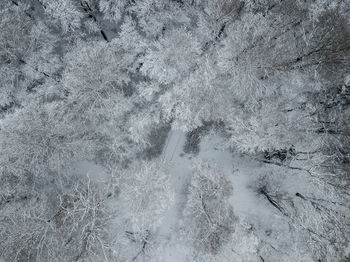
x: 272, y: 201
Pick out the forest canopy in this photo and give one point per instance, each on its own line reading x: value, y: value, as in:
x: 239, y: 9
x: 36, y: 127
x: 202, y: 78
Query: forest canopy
x: 174, y: 130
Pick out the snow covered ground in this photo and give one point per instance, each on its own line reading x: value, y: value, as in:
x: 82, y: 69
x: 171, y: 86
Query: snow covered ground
x: 244, y: 199
x: 260, y: 225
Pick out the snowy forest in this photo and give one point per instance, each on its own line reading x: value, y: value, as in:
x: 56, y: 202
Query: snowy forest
x: 175, y: 130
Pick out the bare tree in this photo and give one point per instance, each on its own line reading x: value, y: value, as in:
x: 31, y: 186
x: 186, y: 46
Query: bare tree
x: 208, y: 218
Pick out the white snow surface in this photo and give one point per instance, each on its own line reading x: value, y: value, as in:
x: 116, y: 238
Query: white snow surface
x: 244, y: 200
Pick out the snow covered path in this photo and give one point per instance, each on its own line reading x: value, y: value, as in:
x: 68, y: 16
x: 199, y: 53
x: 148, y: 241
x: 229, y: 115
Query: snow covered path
x: 174, y: 145
x: 179, y: 170
x: 178, y: 166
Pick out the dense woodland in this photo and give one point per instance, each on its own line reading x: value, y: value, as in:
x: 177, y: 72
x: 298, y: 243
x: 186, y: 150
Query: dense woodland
x: 93, y: 94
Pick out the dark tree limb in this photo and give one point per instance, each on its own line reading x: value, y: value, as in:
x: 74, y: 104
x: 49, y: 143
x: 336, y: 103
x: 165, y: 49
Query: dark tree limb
x: 88, y: 10
x: 272, y: 201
